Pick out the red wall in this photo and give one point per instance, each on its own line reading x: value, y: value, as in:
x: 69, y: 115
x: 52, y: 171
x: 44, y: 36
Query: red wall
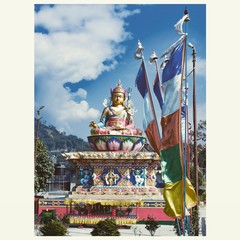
x: 142, y: 213
x: 156, y: 213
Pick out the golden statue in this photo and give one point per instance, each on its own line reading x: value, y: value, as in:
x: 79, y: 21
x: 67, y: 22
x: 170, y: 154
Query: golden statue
x: 116, y: 119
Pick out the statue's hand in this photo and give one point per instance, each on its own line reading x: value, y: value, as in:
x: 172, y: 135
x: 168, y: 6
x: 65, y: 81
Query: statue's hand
x: 93, y: 124
x: 119, y: 126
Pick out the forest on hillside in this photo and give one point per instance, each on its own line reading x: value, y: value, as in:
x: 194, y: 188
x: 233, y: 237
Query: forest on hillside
x: 57, y: 141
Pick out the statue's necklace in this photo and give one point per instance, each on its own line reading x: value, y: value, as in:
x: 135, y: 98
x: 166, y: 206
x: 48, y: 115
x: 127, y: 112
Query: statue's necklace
x: 116, y: 112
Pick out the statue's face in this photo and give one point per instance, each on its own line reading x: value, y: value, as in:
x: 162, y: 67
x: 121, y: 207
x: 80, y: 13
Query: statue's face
x: 118, y: 99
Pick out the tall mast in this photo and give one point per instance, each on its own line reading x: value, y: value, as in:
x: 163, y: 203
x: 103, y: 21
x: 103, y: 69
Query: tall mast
x: 186, y: 125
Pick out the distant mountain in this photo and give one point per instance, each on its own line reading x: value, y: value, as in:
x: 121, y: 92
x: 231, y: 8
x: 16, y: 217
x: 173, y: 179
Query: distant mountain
x: 59, y: 141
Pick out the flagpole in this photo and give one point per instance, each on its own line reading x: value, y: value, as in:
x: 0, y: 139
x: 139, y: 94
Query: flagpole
x: 195, y: 124
x: 186, y: 124
x: 183, y: 144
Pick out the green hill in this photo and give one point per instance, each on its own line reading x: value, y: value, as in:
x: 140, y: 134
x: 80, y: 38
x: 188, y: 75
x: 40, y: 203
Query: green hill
x: 59, y: 141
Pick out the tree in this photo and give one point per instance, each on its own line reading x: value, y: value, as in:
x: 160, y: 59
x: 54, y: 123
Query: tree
x: 107, y: 227
x: 65, y: 219
x: 55, y: 140
x: 151, y: 225
x: 53, y: 228
x: 202, y: 145
x: 202, y: 157
x: 201, y: 135
x: 44, y: 168
x: 192, y: 175
x: 195, y: 222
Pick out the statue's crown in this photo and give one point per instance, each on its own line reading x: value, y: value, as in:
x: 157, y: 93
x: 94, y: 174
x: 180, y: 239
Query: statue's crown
x: 118, y: 89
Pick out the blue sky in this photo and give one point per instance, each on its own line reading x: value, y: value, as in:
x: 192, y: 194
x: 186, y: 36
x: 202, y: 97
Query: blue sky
x: 81, y: 51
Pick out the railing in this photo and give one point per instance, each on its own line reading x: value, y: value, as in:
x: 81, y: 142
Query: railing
x: 59, y: 178
x: 95, y: 219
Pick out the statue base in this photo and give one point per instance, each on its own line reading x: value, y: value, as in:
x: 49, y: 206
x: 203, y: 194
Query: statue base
x: 126, y: 143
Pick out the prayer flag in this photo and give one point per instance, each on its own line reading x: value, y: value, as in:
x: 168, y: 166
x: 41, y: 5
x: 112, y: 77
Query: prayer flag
x: 179, y: 24
x: 157, y: 88
x: 171, y: 142
x: 149, y: 121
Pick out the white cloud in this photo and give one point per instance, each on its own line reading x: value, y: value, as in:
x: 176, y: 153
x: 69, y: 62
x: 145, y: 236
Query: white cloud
x: 81, y: 92
x: 71, y: 51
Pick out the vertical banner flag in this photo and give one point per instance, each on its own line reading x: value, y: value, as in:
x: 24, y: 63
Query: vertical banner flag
x: 157, y: 88
x: 149, y: 120
x: 184, y: 124
x: 171, y: 142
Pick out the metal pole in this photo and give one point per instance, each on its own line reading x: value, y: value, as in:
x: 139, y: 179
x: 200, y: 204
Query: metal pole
x: 195, y: 122
x: 185, y: 140
x: 195, y: 153
x: 189, y: 150
x: 186, y: 123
